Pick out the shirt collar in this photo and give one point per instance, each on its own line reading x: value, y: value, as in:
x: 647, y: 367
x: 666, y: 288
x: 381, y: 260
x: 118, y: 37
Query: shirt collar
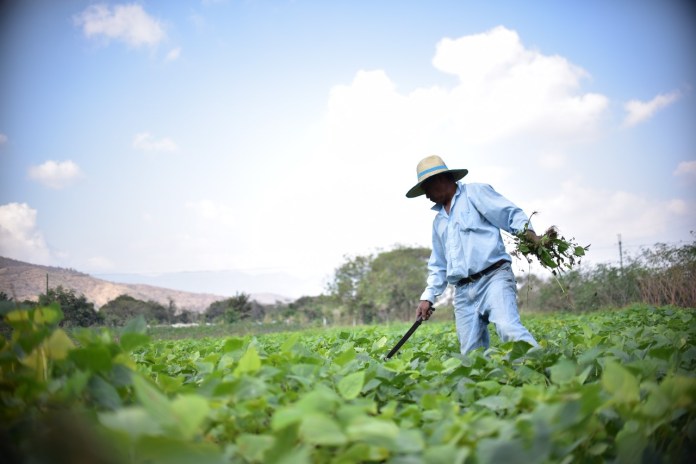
x: 438, y: 207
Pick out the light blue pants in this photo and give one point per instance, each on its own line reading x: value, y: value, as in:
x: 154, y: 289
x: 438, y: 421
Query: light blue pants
x: 492, y: 298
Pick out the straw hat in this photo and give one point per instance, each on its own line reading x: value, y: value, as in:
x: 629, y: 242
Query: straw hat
x: 429, y: 167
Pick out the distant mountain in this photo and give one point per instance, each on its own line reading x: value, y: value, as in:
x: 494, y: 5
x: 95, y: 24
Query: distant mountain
x: 24, y: 281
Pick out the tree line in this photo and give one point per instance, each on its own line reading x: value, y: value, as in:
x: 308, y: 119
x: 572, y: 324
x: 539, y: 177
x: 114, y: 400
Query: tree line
x: 661, y: 275
x: 385, y: 286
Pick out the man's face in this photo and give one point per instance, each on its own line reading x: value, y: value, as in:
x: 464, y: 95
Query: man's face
x: 438, y: 188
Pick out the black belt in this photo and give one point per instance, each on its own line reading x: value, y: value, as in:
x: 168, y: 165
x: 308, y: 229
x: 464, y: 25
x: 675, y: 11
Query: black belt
x: 478, y: 275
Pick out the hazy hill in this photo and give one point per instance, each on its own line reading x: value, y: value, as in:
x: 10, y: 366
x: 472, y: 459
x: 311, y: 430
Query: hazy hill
x: 24, y: 281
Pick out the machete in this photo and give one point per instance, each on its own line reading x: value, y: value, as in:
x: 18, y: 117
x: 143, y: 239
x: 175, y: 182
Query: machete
x: 408, y: 334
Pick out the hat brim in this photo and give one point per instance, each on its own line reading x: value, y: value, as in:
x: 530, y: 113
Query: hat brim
x: 417, y: 190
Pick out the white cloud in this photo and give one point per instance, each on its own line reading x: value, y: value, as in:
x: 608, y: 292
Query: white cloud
x: 686, y: 168
x: 54, y: 174
x: 127, y: 23
x: 3, y: 139
x: 145, y: 141
x: 173, y: 54
x: 504, y: 90
x: 19, y: 237
x: 639, y: 111
x: 596, y: 215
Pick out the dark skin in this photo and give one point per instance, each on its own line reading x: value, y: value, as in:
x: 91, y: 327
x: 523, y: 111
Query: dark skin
x: 440, y: 189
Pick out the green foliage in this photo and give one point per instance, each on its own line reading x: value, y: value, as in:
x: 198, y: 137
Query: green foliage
x: 230, y: 310
x: 615, y: 386
x: 383, y: 287
x: 662, y: 275
x: 123, y: 308
x: 552, y: 251
x: 77, y: 311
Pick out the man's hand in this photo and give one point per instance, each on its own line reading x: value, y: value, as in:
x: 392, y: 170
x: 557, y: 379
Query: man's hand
x: 532, y: 237
x: 425, y: 309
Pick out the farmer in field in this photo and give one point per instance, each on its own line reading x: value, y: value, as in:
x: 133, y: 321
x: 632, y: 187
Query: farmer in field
x: 468, y: 252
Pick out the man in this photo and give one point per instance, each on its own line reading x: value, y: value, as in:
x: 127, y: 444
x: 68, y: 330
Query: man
x: 468, y: 252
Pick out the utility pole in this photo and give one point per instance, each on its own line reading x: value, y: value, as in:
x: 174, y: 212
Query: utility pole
x: 620, y: 255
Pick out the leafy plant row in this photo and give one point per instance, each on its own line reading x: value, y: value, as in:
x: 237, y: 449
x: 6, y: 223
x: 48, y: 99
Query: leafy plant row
x: 609, y: 386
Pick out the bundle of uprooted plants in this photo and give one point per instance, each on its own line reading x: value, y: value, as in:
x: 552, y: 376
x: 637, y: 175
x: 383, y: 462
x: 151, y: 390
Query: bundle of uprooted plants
x: 552, y: 250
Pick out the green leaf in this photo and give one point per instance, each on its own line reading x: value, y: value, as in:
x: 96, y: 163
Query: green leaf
x: 496, y: 403
x: 103, y: 393
x: 630, y: 442
x: 618, y: 381
x: 373, y: 431
x: 546, y: 259
x: 48, y: 315
x: 286, y: 416
x: 290, y: 342
x: 253, y: 447
x: 579, y: 251
x: 154, y: 402
x: 451, y: 363
x: 95, y: 358
x: 58, y: 345
x: 173, y: 451
x: 132, y: 340
x: 562, y: 372
x: 351, y: 385
x: 320, y: 429
x: 345, y: 357
x: 190, y: 411
x: 446, y: 453
x: 409, y: 441
x: 133, y: 421
x: 232, y: 344
x: 249, y: 363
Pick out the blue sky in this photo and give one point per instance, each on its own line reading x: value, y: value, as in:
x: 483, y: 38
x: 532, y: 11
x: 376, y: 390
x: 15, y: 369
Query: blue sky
x: 277, y: 137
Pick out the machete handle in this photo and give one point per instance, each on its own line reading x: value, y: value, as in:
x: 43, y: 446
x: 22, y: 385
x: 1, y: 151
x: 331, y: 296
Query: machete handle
x: 413, y: 328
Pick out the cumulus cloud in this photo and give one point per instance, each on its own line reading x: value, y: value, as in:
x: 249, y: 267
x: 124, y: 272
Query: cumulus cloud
x: 19, y: 237
x: 686, y: 168
x: 145, y: 141
x: 55, y: 174
x: 639, y: 111
x: 126, y: 23
x: 504, y: 90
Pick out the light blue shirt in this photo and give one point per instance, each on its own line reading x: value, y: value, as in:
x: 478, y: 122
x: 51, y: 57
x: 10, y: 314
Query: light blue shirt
x: 468, y: 239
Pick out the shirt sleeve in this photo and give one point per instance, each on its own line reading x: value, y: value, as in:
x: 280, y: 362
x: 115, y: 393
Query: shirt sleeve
x: 437, y: 269
x: 497, y: 209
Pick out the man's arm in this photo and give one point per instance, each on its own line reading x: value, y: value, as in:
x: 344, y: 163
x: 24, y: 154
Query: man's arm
x: 437, y: 277
x: 498, y: 210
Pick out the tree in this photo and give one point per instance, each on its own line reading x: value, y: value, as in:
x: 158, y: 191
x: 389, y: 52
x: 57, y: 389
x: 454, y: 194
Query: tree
x: 395, y: 282
x: 347, y: 278
x: 230, y: 310
x: 382, y: 287
x: 311, y: 308
x: 77, y: 310
x: 121, y: 309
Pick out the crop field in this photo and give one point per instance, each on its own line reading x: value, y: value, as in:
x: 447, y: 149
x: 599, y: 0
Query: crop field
x: 611, y: 386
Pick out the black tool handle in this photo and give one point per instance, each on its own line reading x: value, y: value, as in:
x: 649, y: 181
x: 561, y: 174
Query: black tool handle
x: 413, y: 328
